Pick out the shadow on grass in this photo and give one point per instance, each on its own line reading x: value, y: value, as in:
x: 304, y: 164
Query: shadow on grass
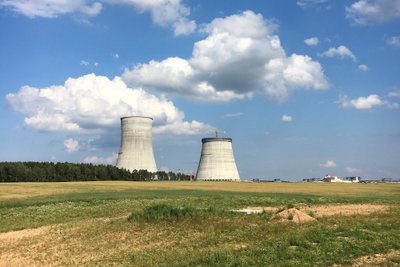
x: 168, y: 213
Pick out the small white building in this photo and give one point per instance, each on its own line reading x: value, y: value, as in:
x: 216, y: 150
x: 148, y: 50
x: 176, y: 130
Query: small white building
x: 353, y: 179
x: 336, y: 179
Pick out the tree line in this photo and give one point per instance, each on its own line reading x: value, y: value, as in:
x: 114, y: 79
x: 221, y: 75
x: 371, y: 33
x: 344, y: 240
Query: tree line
x: 67, y: 172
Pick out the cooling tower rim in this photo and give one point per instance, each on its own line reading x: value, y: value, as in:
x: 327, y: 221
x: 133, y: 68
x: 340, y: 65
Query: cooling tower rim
x: 216, y: 139
x: 142, y: 117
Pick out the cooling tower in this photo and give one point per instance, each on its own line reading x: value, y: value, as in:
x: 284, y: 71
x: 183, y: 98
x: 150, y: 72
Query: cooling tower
x: 216, y: 161
x: 136, y: 152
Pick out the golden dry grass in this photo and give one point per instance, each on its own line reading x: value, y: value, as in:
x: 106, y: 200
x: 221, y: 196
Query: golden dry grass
x: 10, y: 191
x: 88, y: 243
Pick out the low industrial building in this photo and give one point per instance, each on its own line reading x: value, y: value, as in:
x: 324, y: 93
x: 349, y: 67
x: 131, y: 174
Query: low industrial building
x: 336, y: 179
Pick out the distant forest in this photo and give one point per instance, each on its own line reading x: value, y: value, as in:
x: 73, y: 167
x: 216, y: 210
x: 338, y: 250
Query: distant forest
x: 68, y: 172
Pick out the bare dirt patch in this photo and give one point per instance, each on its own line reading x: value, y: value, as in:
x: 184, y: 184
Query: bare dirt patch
x: 293, y: 215
x: 347, y: 209
x: 325, y: 210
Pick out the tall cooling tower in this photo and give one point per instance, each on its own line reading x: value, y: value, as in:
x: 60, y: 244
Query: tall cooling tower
x: 136, y: 152
x: 216, y: 161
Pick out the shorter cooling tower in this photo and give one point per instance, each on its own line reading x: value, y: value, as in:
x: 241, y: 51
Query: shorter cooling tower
x: 136, y: 152
x: 216, y: 161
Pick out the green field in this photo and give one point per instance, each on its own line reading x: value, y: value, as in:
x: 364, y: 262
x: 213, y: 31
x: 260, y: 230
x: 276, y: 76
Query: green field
x: 192, y: 224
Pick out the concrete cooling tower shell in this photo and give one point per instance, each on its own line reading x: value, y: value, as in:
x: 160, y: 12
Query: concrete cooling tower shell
x: 136, y: 151
x: 217, y: 162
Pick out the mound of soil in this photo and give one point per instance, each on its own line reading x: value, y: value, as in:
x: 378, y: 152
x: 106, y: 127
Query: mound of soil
x: 293, y: 215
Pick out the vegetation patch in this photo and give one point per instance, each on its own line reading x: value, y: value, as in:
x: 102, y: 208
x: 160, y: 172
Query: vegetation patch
x: 167, y: 213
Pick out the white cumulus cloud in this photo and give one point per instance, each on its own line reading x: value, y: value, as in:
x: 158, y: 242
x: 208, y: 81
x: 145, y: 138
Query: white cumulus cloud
x: 341, y: 52
x: 110, y: 160
x: 88, y: 64
x: 353, y: 170
x: 51, y: 8
x: 240, y: 54
x: 368, y: 102
x: 287, y: 118
x: 310, y: 3
x: 164, y: 13
x: 93, y: 103
x: 394, y: 41
x: 71, y: 145
x: 395, y: 93
x: 363, y: 67
x: 171, y: 13
x: 328, y: 164
x: 312, y: 41
x: 233, y: 115
x: 371, y: 11
x: 84, y: 63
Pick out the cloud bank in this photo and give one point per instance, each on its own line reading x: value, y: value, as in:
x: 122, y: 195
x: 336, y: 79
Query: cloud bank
x: 241, y: 54
x: 93, y: 104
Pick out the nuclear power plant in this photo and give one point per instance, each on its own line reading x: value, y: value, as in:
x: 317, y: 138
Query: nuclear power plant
x: 136, y: 151
x: 217, y: 162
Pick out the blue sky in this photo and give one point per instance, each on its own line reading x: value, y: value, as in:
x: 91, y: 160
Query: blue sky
x: 304, y: 87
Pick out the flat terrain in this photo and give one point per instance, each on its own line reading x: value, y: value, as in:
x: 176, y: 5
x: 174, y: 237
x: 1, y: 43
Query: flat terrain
x: 27, y: 190
x: 118, y: 223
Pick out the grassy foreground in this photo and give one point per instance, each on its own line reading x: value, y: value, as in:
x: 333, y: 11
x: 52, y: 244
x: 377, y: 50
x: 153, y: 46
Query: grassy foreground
x: 191, y: 224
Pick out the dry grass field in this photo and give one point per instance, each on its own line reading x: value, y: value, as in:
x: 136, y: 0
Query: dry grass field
x: 26, y: 190
x: 118, y: 223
